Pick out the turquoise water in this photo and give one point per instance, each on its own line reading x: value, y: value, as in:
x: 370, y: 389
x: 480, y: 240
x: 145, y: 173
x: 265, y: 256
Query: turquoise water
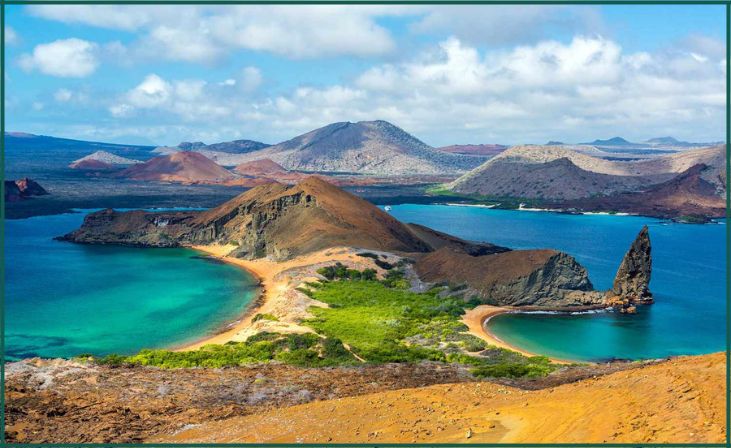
x: 64, y: 299
x: 688, y: 280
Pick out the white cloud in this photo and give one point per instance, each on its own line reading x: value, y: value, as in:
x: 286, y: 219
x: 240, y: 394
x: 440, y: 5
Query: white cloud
x: 583, y: 89
x: 73, y: 58
x: 152, y: 92
x: 190, y: 99
x: 501, y: 24
x: 250, y: 79
x: 586, y: 88
x: 63, y: 95
x: 207, y: 33
x: 104, y: 16
x: 11, y: 37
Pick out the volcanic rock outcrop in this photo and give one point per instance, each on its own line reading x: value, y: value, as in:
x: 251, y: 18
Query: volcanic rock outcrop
x: 632, y: 282
x: 17, y: 190
x: 537, y: 278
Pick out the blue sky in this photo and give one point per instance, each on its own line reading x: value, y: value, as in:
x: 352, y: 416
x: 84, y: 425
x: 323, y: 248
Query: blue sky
x: 448, y: 74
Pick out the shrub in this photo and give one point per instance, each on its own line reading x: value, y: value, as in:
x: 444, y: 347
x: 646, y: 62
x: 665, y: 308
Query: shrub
x: 265, y: 316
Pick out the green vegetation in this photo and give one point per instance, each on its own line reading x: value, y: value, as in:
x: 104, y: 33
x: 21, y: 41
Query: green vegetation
x: 341, y: 272
x: 385, y: 322
x: 308, y: 350
x: 265, y: 316
x: 379, y: 321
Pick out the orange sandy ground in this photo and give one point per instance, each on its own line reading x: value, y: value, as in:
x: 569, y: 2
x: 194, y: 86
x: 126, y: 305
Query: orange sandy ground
x: 676, y: 401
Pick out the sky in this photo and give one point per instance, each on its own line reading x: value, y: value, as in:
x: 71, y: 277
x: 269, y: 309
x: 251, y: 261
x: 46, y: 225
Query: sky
x: 448, y: 74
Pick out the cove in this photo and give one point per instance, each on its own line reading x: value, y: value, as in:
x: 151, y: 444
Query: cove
x: 64, y: 299
x: 688, y: 280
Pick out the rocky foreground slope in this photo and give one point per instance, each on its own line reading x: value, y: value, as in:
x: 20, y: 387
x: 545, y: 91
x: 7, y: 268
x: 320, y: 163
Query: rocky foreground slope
x: 676, y: 401
x: 58, y: 401
x: 279, y: 222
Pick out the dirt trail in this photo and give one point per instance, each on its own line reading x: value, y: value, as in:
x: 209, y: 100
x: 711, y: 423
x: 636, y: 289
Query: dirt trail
x: 679, y: 401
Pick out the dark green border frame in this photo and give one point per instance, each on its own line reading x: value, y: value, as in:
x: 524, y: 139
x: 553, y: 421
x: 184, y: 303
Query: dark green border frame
x: 371, y: 2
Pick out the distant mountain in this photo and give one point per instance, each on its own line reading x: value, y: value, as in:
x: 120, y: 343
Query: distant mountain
x: 559, y: 173
x: 366, y: 147
x: 614, y: 141
x: 556, y: 179
x: 183, y: 166
x: 191, y: 146
x: 487, y: 150
x: 102, y: 161
x: 669, y: 141
x: 237, y: 146
x: 554, y: 143
x: 688, y: 194
x: 224, y: 153
x: 29, y: 154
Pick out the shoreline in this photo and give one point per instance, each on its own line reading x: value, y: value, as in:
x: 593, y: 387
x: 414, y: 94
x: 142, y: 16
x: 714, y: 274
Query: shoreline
x: 277, y: 282
x: 244, y: 321
x: 271, y: 288
x: 476, y: 318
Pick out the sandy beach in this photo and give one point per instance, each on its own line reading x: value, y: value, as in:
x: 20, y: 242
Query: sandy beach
x: 475, y: 320
x: 278, y: 296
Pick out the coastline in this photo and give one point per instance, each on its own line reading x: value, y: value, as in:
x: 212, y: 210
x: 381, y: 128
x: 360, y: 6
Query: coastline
x: 273, y: 287
x: 476, y: 318
x: 245, y: 320
x: 277, y: 292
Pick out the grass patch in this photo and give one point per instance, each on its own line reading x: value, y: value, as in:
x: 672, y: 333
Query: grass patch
x: 380, y: 320
x: 385, y: 323
x: 307, y: 350
x: 265, y: 316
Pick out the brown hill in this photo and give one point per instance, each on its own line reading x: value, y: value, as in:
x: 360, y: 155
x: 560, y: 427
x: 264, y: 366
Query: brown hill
x: 182, y: 166
x: 282, y: 221
x: 262, y: 167
x: 580, y: 176
x: 269, y: 220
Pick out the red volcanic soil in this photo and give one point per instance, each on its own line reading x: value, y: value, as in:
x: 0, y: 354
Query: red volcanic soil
x: 261, y: 167
x: 475, y: 150
x: 183, y: 166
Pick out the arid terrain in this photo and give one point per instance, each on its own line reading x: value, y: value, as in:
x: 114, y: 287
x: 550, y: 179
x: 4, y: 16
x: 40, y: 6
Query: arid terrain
x: 674, y: 401
x: 69, y: 402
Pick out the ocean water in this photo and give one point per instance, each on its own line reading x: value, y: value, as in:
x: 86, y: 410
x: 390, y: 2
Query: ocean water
x: 64, y: 299
x: 688, y: 280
